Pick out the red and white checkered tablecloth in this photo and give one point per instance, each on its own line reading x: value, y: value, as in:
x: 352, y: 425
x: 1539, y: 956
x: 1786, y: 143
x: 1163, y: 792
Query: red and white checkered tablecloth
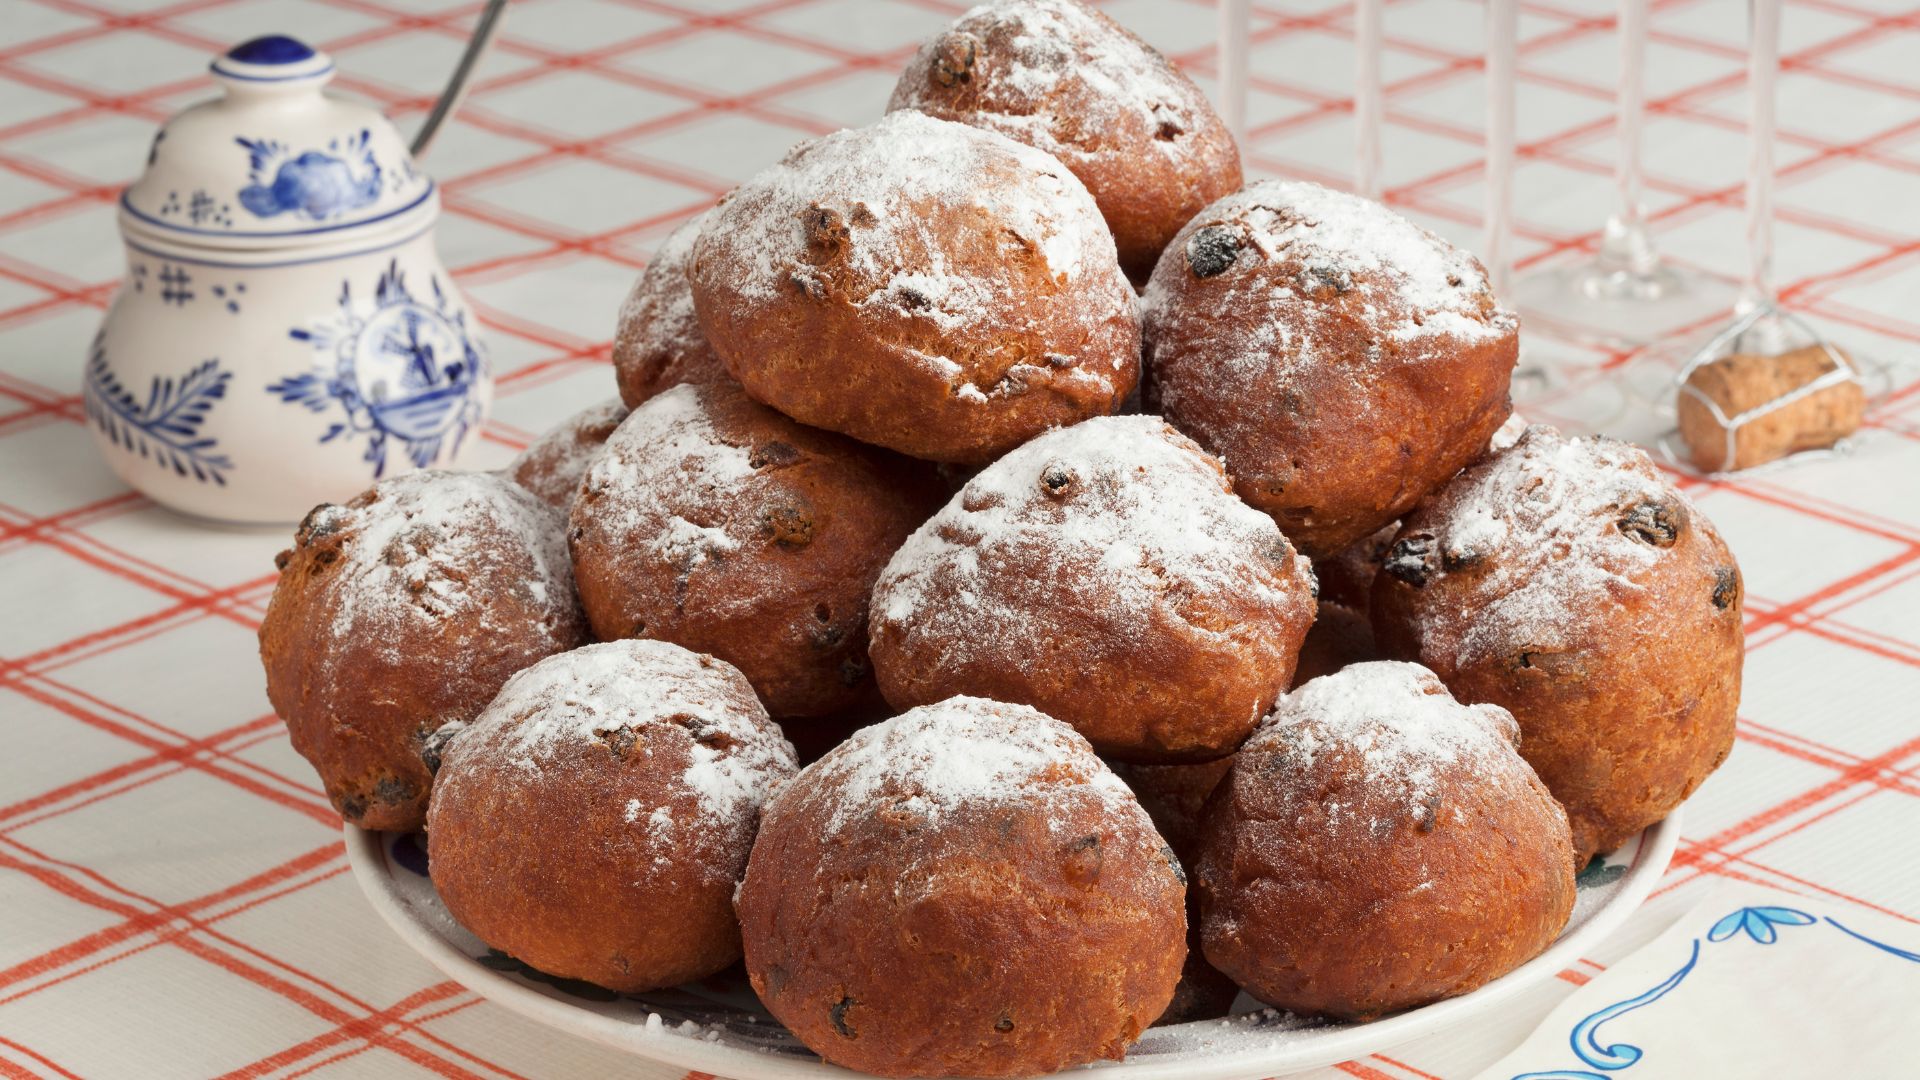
x: 174, y: 900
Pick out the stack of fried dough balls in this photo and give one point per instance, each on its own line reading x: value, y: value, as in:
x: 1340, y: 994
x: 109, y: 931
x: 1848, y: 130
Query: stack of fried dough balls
x: 1319, y: 679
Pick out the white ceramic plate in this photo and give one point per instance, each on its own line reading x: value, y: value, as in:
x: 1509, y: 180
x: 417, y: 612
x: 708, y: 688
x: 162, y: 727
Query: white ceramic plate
x: 718, y: 1027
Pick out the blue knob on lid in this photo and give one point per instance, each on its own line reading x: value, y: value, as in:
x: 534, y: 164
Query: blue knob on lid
x: 273, y: 63
x: 271, y: 49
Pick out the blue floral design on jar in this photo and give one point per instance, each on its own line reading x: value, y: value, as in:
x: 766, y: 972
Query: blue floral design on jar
x: 315, y: 184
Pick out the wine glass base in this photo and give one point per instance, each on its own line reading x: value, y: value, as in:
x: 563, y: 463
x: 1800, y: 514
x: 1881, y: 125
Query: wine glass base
x: 1592, y: 304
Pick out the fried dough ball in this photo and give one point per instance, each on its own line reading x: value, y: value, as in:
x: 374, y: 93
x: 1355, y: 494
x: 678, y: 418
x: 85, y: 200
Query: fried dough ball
x: 592, y: 822
x: 658, y: 342
x: 1063, y: 77
x: 1342, y: 360
x: 1379, y: 846
x: 927, y: 286
x: 716, y: 523
x: 1105, y: 574
x: 405, y: 610
x: 963, y: 890
x: 1566, y: 581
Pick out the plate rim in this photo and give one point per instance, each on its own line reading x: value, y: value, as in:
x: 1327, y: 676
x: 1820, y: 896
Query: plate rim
x: 367, y: 858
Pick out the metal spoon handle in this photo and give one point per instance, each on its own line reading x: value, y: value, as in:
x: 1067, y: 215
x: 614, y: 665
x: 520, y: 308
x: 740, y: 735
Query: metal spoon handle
x: 456, y: 89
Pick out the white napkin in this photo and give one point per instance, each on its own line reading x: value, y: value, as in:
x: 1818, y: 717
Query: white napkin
x: 1753, y: 982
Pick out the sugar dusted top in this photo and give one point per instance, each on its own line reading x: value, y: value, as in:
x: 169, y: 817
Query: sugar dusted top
x: 552, y: 465
x: 965, y: 751
x: 946, y: 233
x: 1124, y: 501
x: 1302, y: 266
x: 1398, y: 725
x: 1347, y: 241
x: 431, y: 546
x: 870, y: 177
x: 736, y: 757
x: 667, y: 452
x: 1038, y: 52
x: 1551, y: 522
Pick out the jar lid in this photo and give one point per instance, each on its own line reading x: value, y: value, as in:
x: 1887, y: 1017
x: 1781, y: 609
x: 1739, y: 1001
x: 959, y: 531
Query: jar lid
x: 274, y: 161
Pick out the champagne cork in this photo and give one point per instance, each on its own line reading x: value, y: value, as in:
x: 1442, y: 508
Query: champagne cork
x: 1745, y: 381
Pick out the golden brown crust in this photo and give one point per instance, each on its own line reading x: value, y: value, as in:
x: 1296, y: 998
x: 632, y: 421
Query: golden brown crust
x: 1341, y: 360
x: 405, y: 610
x: 658, y: 342
x: 1569, y: 582
x: 922, y: 285
x: 962, y: 891
x: 552, y: 465
x: 716, y: 523
x: 1064, y: 78
x: 1105, y: 574
x: 593, y: 820
x: 1347, y: 871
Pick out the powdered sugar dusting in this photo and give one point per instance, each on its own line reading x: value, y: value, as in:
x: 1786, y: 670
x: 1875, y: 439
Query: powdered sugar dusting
x: 1052, y: 45
x: 552, y: 465
x: 1302, y: 267
x: 1125, y: 498
x: 658, y: 340
x: 424, y: 536
x: 909, y: 154
x: 669, y: 446
x: 1324, y: 227
x: 737, y: 755
x: 964, y: 751
x: 1543, y: 518
x: 1398, y: 722
x: 672, y: 257
x: 886, y: 200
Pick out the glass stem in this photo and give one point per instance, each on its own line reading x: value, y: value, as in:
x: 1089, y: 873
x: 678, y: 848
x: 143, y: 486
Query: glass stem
x: 1763, y: 71
x: 1625, y: 245
x: 1366, y: 97
x: 1235, y: 27
x: 1503, y: 17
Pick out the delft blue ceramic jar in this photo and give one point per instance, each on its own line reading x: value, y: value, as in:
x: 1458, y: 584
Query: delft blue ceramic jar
x: 286, y: 334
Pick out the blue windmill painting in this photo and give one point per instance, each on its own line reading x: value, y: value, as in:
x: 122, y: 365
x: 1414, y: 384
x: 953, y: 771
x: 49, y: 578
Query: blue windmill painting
x: 405, y: 371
